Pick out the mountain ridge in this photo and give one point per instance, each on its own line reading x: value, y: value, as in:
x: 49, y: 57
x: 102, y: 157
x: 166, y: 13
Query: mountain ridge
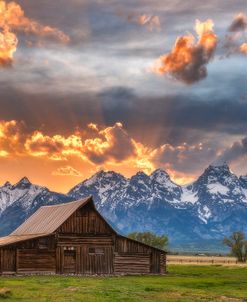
x: 213, y: 206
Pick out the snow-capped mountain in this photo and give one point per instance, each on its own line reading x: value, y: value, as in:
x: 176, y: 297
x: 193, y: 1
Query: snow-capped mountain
x: 211, y: 207
x: 208, y: 209
x: 19, y: 201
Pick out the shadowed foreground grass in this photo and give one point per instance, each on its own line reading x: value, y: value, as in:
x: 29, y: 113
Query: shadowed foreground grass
x: 183, y: 283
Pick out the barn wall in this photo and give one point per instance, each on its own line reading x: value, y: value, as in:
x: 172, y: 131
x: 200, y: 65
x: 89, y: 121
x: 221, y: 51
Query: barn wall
x: 132, y: 263
x: 88, y: 254
x: 36, y: 261
x: 132, y: 257
x: 85, y: 221
x: 30, y: 256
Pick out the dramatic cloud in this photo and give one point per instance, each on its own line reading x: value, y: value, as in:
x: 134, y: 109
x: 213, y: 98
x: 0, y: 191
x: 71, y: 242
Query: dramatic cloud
x: 8, y: 46
x: 12, y: 137
x: 188, y: 59
x: 112, y: 147
x: 55, y: 147
x: 239, y: 23
x: 13, y: 19
x: 109, y: 144
x: 235, y: 152
x: 243, y: 48
x: 67, y: 171
x: 237, y: 34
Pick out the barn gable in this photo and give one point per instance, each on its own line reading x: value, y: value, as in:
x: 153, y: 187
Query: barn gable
x: 86, y: 220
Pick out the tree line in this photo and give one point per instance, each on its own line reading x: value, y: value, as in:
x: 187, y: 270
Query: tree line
x: 149, y: 238
x: 236, y: 242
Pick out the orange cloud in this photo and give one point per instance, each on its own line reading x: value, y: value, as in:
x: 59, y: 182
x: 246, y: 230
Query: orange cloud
x: 151, y: 22
x: 8, y: 46
x: 93, y: 126
x: 112, y: 143
x: 13, y: 16
x: 67, y: 171
x: 13, y: 19
x: 109, y: 147
x: 188, y: 59
x: 237, y: 34
x: 243, y: 48
x: 55, y: 147
x: 12, y: 136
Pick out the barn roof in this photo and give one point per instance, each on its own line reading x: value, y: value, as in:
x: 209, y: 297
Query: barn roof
x: 43, y: 222
x: 15, y: 239
x: 47, y: 219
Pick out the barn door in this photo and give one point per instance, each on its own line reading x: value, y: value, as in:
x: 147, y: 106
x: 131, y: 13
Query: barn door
x: 8, y: 260
x: 69, y: 262
x: 97, y: 260
x: 155, y: 262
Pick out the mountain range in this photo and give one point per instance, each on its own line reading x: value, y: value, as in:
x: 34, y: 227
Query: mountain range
x: 195, y: 216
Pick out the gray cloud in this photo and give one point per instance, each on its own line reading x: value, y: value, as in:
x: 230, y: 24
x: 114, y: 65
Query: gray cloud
x: 237, y: 151
x: 239, y: 23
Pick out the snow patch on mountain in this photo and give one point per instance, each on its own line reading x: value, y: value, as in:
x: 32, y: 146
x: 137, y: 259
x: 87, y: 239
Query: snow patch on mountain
x: 188, y: 196
x: 217, y: 188
x: 204, y: 214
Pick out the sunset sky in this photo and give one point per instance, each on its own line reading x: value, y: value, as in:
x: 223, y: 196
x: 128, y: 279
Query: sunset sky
x: 123, y: 85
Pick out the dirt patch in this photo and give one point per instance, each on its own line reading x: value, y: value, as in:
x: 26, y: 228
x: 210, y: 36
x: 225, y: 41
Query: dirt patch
x: 228, y: 299
x: 5, y: 293
x: 71, y: 289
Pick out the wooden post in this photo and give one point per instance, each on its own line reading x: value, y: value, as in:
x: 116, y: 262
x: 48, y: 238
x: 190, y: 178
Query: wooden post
x: 17, y: 261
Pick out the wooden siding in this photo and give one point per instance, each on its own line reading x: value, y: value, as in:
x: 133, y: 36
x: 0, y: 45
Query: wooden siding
x: 132, y: 263
x: 7, y: 260
x: 125, y: 245
x: 129, y: 248
x: 85, y: 221
x: 84, y: 261
x: 36, y: 261
x: 63, y: 240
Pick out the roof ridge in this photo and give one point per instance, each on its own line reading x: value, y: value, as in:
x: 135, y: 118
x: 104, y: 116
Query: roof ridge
x: 31, y: 234
x: 66, y: 203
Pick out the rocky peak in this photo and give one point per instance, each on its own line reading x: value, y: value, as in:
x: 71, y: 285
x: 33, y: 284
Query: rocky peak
x: 7, y: 185
x: 159, y: 173
x: 24, y: 183
x: 102, y: 177
x: 217, y: 174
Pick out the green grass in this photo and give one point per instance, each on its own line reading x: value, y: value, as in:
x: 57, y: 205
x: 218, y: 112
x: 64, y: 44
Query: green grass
x: 183, y: 283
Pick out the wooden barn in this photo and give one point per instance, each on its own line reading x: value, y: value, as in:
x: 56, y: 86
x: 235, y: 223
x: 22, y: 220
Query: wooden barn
x: 74, y: 238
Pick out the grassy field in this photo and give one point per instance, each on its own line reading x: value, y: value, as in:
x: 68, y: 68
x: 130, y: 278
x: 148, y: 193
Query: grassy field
x: 183, y: 283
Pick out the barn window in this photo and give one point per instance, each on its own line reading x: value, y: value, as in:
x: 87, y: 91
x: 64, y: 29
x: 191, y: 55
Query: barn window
x: 43, y: 243
x: 96, y: 251
x: 69, y: 248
